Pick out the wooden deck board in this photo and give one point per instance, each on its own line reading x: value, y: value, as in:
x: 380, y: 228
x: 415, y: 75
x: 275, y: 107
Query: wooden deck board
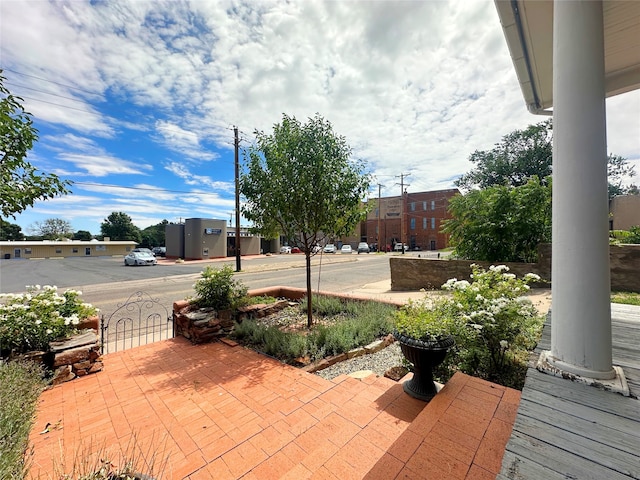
x: 566, y: 429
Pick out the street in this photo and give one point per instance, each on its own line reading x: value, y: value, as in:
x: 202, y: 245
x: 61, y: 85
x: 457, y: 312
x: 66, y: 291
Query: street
x: 106, y: 282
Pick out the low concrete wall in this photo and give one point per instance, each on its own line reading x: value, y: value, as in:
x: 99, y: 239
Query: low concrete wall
x: 412, y: 273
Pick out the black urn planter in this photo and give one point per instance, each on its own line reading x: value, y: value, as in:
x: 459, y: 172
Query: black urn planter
x: 424, y: 355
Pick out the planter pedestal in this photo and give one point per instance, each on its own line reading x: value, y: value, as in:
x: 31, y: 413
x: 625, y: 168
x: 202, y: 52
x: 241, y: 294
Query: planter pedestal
x: 424, y: 356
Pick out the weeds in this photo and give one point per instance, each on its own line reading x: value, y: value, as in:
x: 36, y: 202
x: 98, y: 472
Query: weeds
x: 21, y: 386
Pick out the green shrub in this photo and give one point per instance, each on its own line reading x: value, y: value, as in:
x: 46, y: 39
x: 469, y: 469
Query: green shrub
x: 29, y: 321
x: 334, y: 335
x: 634, y: 234
x: 217, y: 289
x: 21, y: 387
x: 325, y: 306
x: 495, y: 326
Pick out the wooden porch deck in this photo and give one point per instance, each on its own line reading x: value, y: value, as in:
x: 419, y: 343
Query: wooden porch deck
x: 564, y: 429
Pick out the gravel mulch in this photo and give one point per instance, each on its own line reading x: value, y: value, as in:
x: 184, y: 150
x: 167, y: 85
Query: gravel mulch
x: 378, y: 363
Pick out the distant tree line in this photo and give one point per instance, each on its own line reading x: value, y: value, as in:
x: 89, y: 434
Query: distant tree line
x: 117, y: 226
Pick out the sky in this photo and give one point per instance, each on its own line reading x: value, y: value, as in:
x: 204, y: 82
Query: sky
x: 136, y: 101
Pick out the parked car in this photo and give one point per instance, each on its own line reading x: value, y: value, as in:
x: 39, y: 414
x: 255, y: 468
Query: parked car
x: 296, y: 250
x: 316, y: 249
x: 140, y: 258
x: 399, y: 246
x: 346, y: 249
x: 285, y: 249
x: 363, y: 248
x: 142, y: 249
x: 329, y: 248
x: 159, y: 251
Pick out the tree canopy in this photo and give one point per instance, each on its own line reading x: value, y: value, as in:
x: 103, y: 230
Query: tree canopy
x: 154, y: 235
x: 299, y: 182
x: 10, y: 231
x: 119, y: 226
x: 52, y: 229
x: 21, y: 184
x: 501, y: 223
x: 527, y: 153
x: 83, y: 235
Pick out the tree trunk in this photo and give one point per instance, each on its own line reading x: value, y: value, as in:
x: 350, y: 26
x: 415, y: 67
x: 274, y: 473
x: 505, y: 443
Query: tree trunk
x: 307, y: 256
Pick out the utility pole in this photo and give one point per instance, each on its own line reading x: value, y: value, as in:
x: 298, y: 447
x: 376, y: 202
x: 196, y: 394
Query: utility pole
x: 402, y: 187
x: 236, y: 144
x: 378, y: 229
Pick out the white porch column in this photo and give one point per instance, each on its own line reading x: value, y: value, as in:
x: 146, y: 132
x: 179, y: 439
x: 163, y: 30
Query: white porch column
x: 581, y: 311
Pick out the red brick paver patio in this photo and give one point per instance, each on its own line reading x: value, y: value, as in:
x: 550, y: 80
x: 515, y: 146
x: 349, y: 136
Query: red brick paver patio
x: 223, y: 412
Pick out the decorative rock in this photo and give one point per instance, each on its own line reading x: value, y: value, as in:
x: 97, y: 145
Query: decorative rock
x: 356, y: 352
x: 96, y: 367
x: 374, y: 346
x: 69, y: 357
x: 63, y: 374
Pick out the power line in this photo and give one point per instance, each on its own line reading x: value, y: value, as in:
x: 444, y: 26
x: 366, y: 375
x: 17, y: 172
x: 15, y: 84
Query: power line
x: 150, y: 189
x: 50, y: 81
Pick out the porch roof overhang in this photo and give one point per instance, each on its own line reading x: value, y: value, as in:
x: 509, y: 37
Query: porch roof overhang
x: 528, y: 28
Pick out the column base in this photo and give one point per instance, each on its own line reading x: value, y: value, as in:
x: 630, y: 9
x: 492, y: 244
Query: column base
x: 617, y: 384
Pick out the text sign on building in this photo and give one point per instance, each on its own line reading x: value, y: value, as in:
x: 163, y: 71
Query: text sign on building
x: 212, y: 231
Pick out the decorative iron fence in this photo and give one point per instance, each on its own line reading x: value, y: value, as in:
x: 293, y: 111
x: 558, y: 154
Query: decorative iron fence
x: 138, y: 321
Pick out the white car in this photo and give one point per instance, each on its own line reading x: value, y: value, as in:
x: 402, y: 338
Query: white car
x: 329, y: 248
x: 140, y: 258
x: 346, y: 249
x: 285, y: 249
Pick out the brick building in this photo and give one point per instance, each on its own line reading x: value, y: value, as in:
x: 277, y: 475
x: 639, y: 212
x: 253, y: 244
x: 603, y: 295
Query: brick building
x: 414, y: 217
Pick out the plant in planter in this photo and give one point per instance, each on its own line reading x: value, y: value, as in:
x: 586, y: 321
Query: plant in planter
x: 30, y: 321
x: 499, y: 325
x: 425, y: 332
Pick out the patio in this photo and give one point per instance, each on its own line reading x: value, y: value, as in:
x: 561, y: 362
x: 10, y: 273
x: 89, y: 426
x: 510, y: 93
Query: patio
x: 225, y: 412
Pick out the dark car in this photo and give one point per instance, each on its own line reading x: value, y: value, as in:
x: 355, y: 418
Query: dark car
x: 363, y: 248
x: 159, y: 251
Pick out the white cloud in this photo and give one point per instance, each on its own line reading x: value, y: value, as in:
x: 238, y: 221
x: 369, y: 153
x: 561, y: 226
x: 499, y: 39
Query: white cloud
x: 413, y: 86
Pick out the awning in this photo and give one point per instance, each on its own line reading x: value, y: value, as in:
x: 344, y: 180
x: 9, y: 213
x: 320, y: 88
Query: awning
x: 528, y: 28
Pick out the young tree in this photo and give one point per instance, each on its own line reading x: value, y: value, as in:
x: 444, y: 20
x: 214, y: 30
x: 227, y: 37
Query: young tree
x: 523, y: 154
x: 501, y: 223
x: 10, y: 231
x: 119, y: 226
x: 300, y: 182
x: 51, y: 229
x: 21, y: 184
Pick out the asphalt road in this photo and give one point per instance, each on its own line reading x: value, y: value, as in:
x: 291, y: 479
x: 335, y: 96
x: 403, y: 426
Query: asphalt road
x: 107, y: 283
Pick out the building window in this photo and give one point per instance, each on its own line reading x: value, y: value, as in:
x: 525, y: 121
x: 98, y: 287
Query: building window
x: 377, y: 213
x: 413, y: 206
x: 433, y: 222
x: 27, y: 251
x: 433, y: 204
x: 58, y: 250
x: 424, y: 223
x: 127, y: 249
x: 74, y: 250
x: 424, y: 205
x: 413, y: 224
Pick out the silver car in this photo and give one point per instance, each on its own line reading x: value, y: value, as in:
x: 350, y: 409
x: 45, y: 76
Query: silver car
x: 140, y: 258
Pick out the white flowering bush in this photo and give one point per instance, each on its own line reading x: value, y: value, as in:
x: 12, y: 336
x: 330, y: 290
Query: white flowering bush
x: 29, y: 321
x: 499, y: 324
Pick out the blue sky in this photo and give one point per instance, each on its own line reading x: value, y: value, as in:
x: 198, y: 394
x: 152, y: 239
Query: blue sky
x: 135, y: 101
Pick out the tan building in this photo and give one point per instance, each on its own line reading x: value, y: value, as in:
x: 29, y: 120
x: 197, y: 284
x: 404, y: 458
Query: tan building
x: 64, y: 248
x: 204, y: 238
x: 624, y: 212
